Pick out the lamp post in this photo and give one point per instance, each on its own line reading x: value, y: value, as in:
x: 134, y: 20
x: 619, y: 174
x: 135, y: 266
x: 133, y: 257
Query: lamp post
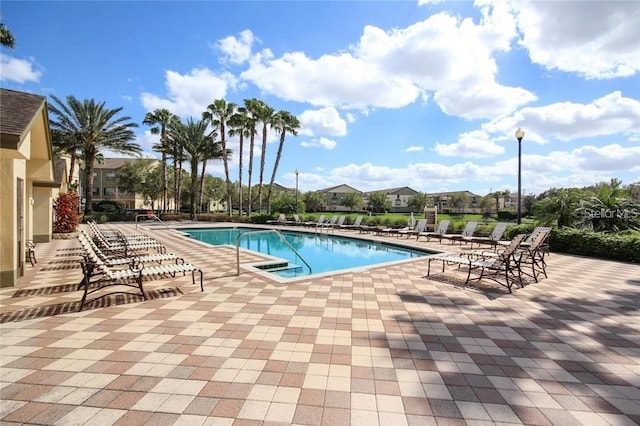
x: 297, y: 172
x: 519, y: 136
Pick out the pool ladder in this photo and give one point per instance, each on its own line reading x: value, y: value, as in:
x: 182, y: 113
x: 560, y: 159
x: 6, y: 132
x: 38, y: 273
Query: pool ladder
x: 271, y: 231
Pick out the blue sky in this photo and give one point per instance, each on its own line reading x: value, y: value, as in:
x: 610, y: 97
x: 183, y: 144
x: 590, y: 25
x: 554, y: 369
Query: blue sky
x: 426, y: 94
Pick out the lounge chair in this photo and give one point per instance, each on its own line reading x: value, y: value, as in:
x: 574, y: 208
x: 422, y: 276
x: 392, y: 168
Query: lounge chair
x: 467, y: 233
x: 419, y: 227
x: 127, y: 246
x: 282, y: 220
x: 442, y: 229
x: 316, y: 223
x: 116, y: 235
x: 355, y: 225
x: 295, y: 221
x: 538, y: 230
x: 500, y: 267
x: 494, y: 237
x: 93, y: 265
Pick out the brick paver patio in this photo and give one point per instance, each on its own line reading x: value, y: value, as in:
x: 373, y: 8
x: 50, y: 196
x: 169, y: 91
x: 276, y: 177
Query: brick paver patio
x: 371, y: 346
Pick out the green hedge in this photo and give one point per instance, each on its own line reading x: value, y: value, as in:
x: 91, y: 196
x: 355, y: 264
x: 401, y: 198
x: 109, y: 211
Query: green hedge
x: 623, y: 245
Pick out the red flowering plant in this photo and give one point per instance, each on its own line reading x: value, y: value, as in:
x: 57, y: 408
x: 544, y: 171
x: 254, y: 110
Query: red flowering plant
x: 66, y: 211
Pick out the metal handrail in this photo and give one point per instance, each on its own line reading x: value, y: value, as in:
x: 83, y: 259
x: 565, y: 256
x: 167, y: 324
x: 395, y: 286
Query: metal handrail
x: 275, y: 231
x: 152, y: 216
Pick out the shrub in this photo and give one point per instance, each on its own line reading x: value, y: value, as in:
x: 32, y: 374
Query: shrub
x: 66, y: 213
x: 107, y: 206
x: 623, y: 245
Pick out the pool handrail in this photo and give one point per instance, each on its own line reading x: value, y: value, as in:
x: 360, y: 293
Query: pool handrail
x: 151, y: 216
x: 264, y: 231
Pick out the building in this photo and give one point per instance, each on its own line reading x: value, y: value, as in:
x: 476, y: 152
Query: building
x: 398, y: 197
x: 27, y: 179
x: 456, y: 202
x: 334, y: 197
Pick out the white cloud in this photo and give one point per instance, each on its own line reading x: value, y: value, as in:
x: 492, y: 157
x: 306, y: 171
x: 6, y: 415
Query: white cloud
x: 18, y: 70
x: 189, y: 94
x: 236, y: 50
x: 325, y: 121
x: 597, y: 39
x: 319, y: 142
x: 471, y: 144
x: 443, y: 54
x: 609, y: 115
x: 414, y: 148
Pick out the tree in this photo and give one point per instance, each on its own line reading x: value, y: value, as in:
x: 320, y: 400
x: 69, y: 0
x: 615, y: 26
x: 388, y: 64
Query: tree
x: 240, y: 125
x: 6, y: 38
x: 162, y: 119
x: 500, y: 194
x: 283, y: 122
x: 313, y: 201
x: 285, y: 202
x: 379, y: 202
x: 558, y: 205
x: 353, y: 200
x: 610, y: 209
x: 214, y: 190
x: 252, y: 106
x: 94, y: 128
x: 459, y: 200
x: 218, y: 114
x: 418, y: 202
x: 194, y: 140
x: 265, y: 115
x: 66, y: 145
x: 142, y: 176
x: 213, y: 151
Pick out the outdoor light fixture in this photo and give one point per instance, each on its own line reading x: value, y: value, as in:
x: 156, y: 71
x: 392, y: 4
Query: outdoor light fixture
x: 297, y: 172
x: 519, y: 136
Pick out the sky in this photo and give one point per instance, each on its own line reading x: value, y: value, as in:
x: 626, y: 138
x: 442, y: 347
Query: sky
x: 426, y: 94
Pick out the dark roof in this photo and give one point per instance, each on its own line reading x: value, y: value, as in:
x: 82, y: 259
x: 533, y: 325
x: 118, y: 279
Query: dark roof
x: 17, y: 111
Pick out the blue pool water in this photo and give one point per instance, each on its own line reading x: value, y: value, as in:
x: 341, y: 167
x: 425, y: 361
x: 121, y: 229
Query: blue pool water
x: 324, y: 253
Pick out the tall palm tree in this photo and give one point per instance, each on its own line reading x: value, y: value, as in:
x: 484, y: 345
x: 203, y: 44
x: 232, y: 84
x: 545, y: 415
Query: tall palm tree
x: 6, y: 38
x: 264, y: 114
x: 193, y: 138
x: 94, y: 127
x: 283, y: 122
x: 161, y: 119
x: 240, y: 125
x: 252, y: 106
x: 218, y: 114
x: 213, y: 151
x: 63, y: 144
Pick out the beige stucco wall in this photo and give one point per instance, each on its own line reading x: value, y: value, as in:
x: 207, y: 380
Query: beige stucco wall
x: 10, y: 170
x: 42, y: 215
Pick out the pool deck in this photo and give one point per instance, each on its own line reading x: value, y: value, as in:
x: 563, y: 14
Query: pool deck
x: 382, y: 345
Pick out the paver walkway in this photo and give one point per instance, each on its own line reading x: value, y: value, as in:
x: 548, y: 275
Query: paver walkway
x: 374, y: 346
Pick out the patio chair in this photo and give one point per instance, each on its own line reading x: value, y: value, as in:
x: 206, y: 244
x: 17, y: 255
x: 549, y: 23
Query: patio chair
x: 295, y: 221
x: 112, y: 235
x: 30, y: 250
x: 420, y: 227
x: 442, y: 229
x: 282, y: 220
x: 493, y: 238
x: 538, y: 230
x: 467, y: 233
x: 131, y: 277
x: 355, y: 225
x: 316, y: 223
x: 126, y: 246
x: 501, y: 267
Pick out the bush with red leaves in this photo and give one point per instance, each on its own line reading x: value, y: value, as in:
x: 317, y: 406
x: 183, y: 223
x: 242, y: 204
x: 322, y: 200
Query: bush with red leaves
x: 67, y: 215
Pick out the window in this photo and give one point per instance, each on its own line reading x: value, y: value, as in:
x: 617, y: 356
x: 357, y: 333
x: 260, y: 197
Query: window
x: 110, y: 175
x: 110, y: 192
x: 398, y: 202
x: 95, y: 191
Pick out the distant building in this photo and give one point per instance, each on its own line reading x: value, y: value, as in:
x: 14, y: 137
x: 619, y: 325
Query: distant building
x: 456, y: 202
x: 105, y: 184
x: 334, y: 197
x: 398, y: 197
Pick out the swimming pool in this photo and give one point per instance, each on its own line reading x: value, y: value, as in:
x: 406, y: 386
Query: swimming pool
x: 324, y: 253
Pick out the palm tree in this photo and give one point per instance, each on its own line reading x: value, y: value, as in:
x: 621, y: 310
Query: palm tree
x: 218, y: 114
x: 264, y: 114
x: 213, y: 151
x: 66, y: 145
x: 162, y: 119
x: 6, y: 38
x: 193, y: 139
x: 252, y: 106
x: 94, y: 128
x: 240, y: 124
x: 283, y: 122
